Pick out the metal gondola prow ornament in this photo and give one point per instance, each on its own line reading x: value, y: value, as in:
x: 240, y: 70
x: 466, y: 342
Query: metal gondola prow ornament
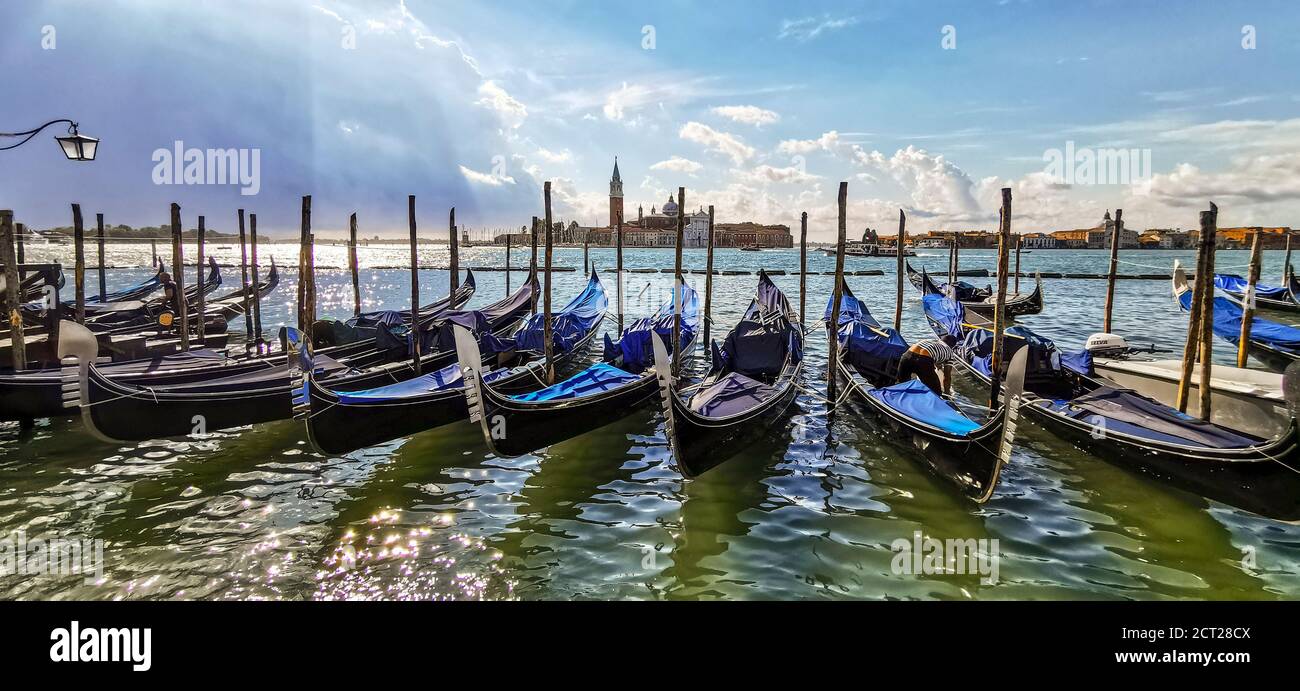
x: 471, y: 364
x: 1015, y: 389
x: 664, y: 374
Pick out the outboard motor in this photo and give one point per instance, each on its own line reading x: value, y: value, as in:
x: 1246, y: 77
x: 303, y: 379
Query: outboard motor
x: 1107, y: 345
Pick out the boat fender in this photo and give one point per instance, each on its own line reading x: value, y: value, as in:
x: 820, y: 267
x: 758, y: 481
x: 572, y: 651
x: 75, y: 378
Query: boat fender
x: 1106, y: 344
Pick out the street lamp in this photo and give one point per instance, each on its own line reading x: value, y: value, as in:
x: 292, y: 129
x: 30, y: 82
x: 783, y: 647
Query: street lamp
x: 76, y: 146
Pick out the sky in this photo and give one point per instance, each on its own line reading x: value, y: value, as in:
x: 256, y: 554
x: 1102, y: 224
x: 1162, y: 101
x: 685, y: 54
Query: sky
x: 760, y: 109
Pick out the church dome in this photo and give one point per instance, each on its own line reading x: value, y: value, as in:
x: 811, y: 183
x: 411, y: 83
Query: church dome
x: 670, y: 207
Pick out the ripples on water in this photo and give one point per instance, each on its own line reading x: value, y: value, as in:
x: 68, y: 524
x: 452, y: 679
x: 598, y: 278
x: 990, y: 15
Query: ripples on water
x: 810, y: 512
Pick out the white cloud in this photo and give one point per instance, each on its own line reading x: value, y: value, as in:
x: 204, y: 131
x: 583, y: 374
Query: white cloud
x: 555, y: 157
x: 628, y: 96
x: 677, y: 164
x: 747, y: 115
x: 808, y: 28
x: 765, y: 174
x: 827, y: 142
x: 713, y: 140
x: 493, y: 97
x: 486, y: 178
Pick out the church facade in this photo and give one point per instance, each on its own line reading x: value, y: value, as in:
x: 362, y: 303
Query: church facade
x: 659, y: 227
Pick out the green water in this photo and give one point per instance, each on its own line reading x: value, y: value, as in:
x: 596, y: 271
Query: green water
x: 809, y: 512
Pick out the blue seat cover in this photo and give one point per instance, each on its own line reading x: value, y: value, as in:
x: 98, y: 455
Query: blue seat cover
x: 598, y: 378
x: 915, y: 400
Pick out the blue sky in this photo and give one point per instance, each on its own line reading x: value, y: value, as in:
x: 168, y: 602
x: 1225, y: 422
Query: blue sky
x: 757, y: 108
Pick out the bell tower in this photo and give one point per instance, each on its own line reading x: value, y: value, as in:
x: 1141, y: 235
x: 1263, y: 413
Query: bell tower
x: 615, y: 196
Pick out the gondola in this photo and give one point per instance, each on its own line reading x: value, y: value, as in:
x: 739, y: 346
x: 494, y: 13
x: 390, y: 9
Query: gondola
x: 751, y: 382
x: 620, y: 383
x: 965, y: 451
x: 980, y: 300
x: 102, y: 317
x: 136, y: 292
x: 121, y: 412
x: 51, y: 391
x: 339, y: 422
x: 1277, y: 298
x: 1132, y: 431
x: 1274, y: 344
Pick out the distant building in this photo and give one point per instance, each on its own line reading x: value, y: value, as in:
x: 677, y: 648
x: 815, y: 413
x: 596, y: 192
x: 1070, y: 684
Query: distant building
x: 1037, y: 241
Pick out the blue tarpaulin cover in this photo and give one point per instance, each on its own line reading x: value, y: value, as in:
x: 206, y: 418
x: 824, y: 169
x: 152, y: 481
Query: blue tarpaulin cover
x: 1121, y: 410
x: 870, y: 348
x: 915, y: 400
x: 733, y: 394
x: 598, y: 378
x: 448, y: 377
x: 948, y: 313
x: 570, y: 325
x: 1227, y: 324
x: 635, y: 347
x: 1236, y: 284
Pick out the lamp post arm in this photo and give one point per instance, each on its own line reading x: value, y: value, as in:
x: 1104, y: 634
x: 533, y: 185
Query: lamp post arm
x: 28, y: 135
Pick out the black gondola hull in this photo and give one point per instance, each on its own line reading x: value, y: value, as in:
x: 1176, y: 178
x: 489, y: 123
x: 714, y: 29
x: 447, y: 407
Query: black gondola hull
x: 971, y: 463
x: 701, y: 443
x: 1264, y: 481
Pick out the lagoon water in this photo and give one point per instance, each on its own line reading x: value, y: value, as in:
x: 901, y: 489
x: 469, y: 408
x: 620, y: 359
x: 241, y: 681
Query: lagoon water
x: 810, y: 512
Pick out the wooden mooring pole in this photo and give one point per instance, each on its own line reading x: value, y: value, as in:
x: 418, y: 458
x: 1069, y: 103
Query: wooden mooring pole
x: 354, y: 265
x: 1248, y: 306
x: 243, y: 278
x: 708, y: 283
x: 79, y: 262
x: 837, y: 294
x: 203, y: 302
x: 532, y: 266
x: 1020, y: 241
x: 803, y: 266
x: 898, y: 280
x: 178, y: 276
x: 13, y: 297
x: 1114, y: 269
x: 257, y: 299
x: 678, y: 282
x: 103, y: 279
x: 508, y: 263
x: 546, y: 318
x: 1000, y: 308
x: 22, y: 256
x: 1207, y: 313
x: 1192, y: 344
x: 415, y: 284
x: 455, y: 252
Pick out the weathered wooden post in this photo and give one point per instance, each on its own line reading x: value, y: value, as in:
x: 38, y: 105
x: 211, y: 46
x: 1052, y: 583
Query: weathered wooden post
x: 898, y: 288
x: 13, y: 298
x: 1286, y: 264
x: 1000, y: 309
x: 257, y: 298
x: 243, y: 277
x: 22, y: 256
x: 1207, y: 314
x: 1192, y: 344
x: 508, y: 263
x: 532, y: 267
x: 203, y: 302
x: 354, y: 265
x: 103, y: 280
x: 455, y: 252
x: 708, y: 283
x: 546, y: 316
x: 153, y: 250
x: 618, y: 251
x: 837, y: 294
x: 178, y: 276
x: 1248, y: 306
x: 586, y: 263
x: 1114, y: 269
x: 304, y: 267
x: 79, y: 262
x: 678, y: 282
x: 415, y: 285
x: 956, y: 254
x: 803, y: 265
